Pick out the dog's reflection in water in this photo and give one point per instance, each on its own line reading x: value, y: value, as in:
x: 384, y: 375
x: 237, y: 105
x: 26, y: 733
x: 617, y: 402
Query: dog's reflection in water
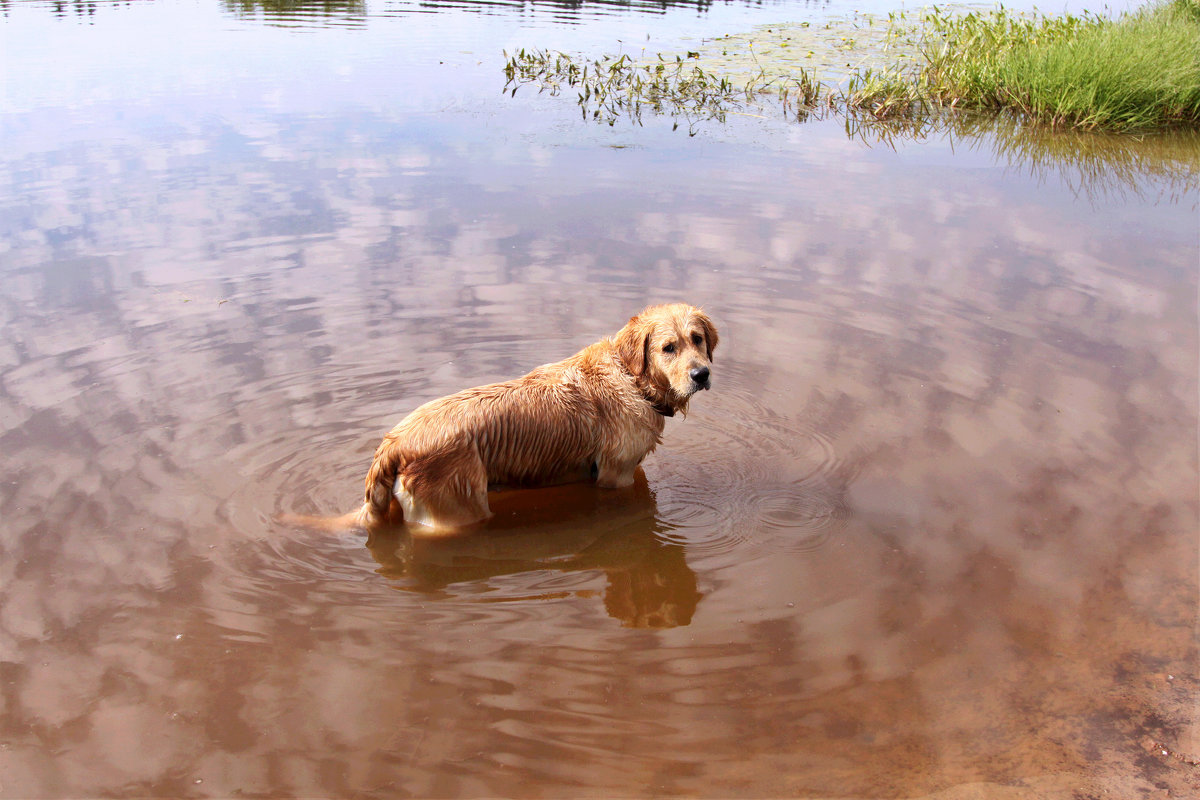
x: 564, y: 529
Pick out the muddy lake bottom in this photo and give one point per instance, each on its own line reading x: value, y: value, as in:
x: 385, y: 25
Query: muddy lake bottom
x: 933, y: 532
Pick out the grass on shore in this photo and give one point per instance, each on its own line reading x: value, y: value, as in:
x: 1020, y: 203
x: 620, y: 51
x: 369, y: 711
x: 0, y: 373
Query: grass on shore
x: 1138, y: 72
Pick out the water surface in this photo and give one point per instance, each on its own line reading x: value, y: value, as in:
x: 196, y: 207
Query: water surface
x: 933, y: 532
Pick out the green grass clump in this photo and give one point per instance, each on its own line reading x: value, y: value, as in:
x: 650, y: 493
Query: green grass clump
x: 1139, y: 71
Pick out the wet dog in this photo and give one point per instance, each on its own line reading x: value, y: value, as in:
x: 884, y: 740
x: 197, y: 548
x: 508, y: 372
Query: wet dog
x: 593, y: 416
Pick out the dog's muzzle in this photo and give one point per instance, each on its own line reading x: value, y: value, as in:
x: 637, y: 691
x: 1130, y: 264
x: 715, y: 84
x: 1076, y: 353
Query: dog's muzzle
x: 700, y: 377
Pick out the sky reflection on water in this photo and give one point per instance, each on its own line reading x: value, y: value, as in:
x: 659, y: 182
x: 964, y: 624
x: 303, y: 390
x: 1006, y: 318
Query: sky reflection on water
x: 932, y: 532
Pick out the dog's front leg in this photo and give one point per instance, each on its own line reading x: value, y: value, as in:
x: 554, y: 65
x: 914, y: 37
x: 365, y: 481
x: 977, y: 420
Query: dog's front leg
x: 615, y: 476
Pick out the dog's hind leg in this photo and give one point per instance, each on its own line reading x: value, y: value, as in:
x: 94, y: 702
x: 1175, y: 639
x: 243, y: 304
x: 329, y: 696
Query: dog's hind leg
x: 446, y: 491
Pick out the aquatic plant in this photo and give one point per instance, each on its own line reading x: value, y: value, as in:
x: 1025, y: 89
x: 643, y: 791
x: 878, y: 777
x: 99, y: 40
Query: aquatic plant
x: 611, y: 87
x: 1139, y: 71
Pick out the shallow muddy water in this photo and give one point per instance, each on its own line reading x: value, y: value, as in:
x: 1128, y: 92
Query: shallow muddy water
x: 932, y: 533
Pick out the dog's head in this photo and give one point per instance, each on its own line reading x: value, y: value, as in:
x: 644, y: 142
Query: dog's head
x: 668, y: 350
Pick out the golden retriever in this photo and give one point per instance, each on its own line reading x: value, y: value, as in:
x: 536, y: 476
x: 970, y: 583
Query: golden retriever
x: 593, y: 416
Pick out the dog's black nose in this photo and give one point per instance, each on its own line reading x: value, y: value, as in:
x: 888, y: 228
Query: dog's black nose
x: 699, y: 375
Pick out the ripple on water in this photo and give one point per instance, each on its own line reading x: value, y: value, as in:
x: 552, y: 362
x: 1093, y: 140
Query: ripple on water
x: 742, y: 476
x: 503, y: 574
x: 735, y: 475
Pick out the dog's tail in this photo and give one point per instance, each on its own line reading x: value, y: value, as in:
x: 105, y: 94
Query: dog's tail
x: 380, y: 508
x: 346, y: 522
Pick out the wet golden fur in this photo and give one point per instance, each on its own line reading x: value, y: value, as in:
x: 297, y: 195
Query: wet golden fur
x: 594, y: 415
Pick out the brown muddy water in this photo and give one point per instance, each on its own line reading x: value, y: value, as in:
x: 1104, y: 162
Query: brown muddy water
x: 932, y: 534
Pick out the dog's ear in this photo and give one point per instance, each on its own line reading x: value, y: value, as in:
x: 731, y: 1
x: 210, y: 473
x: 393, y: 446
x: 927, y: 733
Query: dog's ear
x: 710, y: 332
x: 632, y: 342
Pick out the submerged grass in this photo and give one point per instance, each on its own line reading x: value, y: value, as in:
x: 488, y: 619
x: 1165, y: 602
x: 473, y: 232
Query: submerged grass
x: 1097, y: 165
x: 1140, y: 71
x: 611, y: 87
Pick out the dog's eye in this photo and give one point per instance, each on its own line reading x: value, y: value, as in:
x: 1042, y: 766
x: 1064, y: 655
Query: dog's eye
x: 697, y: 339
x: 669, y: 348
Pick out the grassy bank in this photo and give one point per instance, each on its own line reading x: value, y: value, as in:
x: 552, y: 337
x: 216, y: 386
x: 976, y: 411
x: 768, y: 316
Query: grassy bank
x: 1138, y: 72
